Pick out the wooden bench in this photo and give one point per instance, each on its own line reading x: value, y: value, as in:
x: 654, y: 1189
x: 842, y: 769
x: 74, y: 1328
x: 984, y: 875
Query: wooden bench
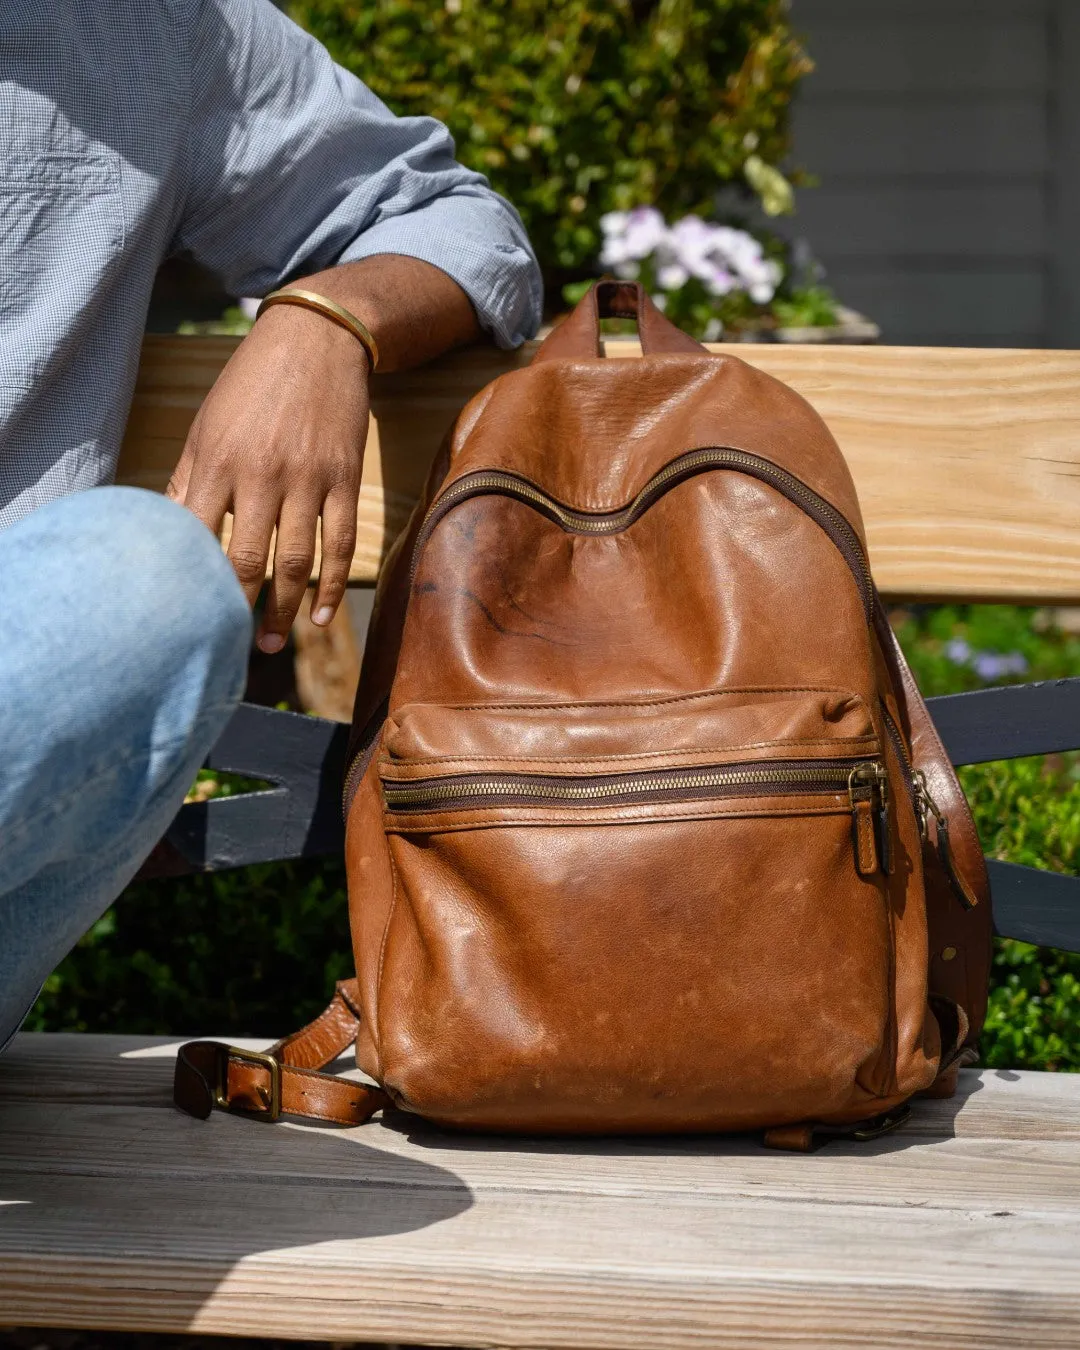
x: 963, y: 1229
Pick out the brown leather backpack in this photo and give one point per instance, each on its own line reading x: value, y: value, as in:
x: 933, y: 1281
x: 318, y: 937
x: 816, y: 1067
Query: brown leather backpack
x: 648, y: 826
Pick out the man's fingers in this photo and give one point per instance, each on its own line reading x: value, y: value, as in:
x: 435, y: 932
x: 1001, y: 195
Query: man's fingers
x: 206, y: 493
x: 294, y: 556
x: 181, y: 475
x: 338, y: 545
x: 249, y: 543
x: 178, y: 483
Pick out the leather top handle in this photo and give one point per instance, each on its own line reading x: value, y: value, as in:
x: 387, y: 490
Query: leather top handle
x: 578, y: 336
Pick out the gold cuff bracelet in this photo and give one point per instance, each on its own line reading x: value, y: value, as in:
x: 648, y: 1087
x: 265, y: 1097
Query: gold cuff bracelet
x: 331, y: 310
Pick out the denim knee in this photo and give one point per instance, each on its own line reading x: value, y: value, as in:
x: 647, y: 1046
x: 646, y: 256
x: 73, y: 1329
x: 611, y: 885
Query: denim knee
x: 124, y: 638
x: 171, y: 572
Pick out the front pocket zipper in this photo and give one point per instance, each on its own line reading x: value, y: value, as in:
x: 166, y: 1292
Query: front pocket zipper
x: 864, y: 782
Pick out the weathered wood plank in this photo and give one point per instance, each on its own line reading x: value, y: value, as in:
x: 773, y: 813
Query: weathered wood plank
x: 912, y: 1169
x: 584, y: 1279
x: 137, y: 1071
x: 966, y: 461
x: 439, y: 1260
x: 134, y: 1216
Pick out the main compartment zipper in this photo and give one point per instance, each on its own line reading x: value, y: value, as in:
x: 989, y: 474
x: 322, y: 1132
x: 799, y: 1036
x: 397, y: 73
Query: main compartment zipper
x: 832, y: 521
x: 863, y: 782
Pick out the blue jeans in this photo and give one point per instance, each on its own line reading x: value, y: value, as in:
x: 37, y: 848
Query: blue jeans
x: 124, y: 638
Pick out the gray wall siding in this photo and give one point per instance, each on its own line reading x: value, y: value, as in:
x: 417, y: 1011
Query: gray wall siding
x: 940, y: 132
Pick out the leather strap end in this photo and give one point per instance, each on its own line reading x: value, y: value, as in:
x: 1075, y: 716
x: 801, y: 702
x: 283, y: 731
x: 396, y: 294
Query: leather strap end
x: 193, y: 1078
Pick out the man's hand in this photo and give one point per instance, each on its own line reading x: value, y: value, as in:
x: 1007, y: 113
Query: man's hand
x: 280, y: 438
x: 279, y: 442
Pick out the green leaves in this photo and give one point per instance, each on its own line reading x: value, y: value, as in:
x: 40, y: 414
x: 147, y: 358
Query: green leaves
x: 1027, y: 811
x: 776, y: 193
x: 254, y: 952
x: 573, y: 110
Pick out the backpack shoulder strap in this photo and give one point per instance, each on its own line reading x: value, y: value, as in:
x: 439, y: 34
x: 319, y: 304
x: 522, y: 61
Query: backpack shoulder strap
x: 285, y: 1079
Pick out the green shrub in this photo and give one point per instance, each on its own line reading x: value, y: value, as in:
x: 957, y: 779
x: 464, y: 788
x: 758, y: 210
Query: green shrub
x: 1027, y: 811
x: 253, y: 952
x: 573, y: 110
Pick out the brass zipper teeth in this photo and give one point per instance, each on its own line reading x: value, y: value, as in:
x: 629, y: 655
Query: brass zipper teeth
x: 832, y: 778
x: 834, y: 523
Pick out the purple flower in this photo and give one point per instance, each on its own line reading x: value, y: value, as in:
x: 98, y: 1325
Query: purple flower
x: 990, y: 666
x: 722, y: 258
x: 630, y: 236
x: 958, y: 651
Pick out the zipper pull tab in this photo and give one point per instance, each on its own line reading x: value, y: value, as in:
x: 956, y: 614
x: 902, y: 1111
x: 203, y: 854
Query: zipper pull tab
x: 868, y: 793
x: 927, y: 807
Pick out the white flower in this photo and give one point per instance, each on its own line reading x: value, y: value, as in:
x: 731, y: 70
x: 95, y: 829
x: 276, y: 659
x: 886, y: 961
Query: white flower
x: 645, y: 231
x: 630, y: 236
x: 721, y: 257
x: 671, y: 276
x: 720, y: 281
x: 690, y: 242
x: 614, y: 222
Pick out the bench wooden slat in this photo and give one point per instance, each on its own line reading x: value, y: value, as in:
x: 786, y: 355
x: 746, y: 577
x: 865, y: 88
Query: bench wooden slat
x: 88, y: 1069
x: 120, y: 1141
x: 967, y: 462
x: 961, y: 1231
x: 576, y: 1271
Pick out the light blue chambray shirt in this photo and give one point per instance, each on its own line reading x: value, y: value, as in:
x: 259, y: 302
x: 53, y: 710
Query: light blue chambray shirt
x: 134, y: 129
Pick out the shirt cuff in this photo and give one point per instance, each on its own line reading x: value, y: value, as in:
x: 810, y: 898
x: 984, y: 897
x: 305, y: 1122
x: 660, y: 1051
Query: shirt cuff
x: 473, y: 240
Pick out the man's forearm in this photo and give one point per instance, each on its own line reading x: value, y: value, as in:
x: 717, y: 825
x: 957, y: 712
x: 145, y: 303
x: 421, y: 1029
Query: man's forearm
x: 280, y: 438
x: 413, y: 309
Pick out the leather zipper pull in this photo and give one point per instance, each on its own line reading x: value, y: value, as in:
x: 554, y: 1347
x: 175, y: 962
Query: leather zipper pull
x: 868, y: 792
x: 864, y: 830
x: 963, y: 894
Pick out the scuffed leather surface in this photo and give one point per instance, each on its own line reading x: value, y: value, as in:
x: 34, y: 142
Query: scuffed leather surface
x: 591, y: 433
x: 650, y: 976
x: 707, y: 965
x: 717, y: 727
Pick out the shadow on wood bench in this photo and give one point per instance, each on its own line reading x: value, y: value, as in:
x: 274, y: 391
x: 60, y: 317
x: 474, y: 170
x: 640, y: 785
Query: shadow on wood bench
x: 961, y: 1231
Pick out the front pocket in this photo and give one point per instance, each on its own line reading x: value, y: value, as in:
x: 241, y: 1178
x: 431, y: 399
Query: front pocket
x: 683, y: 929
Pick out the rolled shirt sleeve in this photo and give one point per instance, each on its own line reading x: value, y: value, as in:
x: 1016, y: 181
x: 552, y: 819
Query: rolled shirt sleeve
x: 294, y: 165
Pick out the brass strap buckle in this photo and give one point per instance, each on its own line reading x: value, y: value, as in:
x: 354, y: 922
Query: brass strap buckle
x: 257, y: 1059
